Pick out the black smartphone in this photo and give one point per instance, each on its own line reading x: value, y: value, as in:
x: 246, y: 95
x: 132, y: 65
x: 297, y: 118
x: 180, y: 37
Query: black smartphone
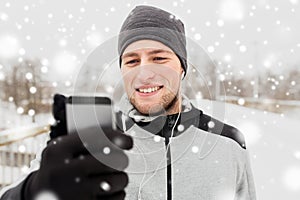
x: 89, y: 111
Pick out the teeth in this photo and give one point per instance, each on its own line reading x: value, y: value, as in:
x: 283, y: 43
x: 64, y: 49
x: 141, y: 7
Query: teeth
x: 148, y: 90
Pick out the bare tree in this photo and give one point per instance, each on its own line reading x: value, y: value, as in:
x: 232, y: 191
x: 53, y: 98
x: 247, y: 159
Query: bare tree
x: 24, y: 85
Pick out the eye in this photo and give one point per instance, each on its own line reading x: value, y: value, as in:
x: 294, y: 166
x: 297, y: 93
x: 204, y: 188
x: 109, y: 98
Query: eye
x: 159, y: 58
x: 131, y: 62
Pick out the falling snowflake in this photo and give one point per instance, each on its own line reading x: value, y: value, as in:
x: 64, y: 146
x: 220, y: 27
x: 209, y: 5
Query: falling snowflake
x: 67, y: 161
x: 112, y: 9
x: 241, y: 101
x: 197, y: 36
x: 82, y: 10
x: 26, y: 8
x: 227, y: 58
x: 180, y: 127
x: 243, y: 48
x: 105, y: 186
x: 28, y: 76
x: 46, y: 195
x: 195, y: 149
x: 258, y: 29
x: 210, y: 49
x: 291, y: 178
x: 44, y: 69
x: 221, y: 77
x: 297, y: 154
x: 20, y: 110
x: 106, y: 150
x: 22, y: 148
x: 3, y: 16
x: 77, y: 180
x: 32, y: 90
x: 62, y: 42
x: 220, y: 23
x: 31, y: 112
x: 294, y: 2
x: 211, y: 124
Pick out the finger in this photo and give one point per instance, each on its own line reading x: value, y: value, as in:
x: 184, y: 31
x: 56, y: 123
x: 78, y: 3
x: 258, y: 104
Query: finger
x: 90, y: 165
x: 64, y: 147
x: 59, y: 108
x: 91, y: 140
x: 108, y: 184
x: 117, y: 196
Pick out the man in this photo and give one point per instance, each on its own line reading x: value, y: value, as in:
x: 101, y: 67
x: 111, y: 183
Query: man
x: 164, y: 126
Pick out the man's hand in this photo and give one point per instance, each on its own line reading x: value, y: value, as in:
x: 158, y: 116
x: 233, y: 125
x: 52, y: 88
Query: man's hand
x: 76, y: 167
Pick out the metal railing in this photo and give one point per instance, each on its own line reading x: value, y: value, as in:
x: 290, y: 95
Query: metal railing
x: 17, y: 148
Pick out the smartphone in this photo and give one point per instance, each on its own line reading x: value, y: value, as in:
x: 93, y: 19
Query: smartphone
x: 89, y: 111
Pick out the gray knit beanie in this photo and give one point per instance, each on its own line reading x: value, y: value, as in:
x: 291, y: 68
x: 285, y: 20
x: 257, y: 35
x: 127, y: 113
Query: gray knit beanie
x: 147, y: 22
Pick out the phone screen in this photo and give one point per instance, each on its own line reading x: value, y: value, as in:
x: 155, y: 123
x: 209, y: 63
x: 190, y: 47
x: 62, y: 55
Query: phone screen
x: 84, y: 112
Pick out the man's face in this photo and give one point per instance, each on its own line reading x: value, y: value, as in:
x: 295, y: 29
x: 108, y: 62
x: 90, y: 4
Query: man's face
x: 152, y: 73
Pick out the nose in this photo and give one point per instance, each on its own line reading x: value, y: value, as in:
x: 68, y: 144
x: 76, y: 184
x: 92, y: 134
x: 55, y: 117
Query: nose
x: 145, y: 73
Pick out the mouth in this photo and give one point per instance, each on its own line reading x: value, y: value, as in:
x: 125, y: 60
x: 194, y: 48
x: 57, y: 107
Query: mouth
x: 147, y: 91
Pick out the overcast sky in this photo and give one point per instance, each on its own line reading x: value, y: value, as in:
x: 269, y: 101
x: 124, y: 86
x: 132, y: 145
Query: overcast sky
x: 249, y: 35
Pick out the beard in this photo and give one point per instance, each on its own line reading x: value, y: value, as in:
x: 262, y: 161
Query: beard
x: 168, y: 104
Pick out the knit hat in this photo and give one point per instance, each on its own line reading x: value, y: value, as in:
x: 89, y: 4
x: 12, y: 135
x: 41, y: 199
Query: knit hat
x: 147, y: 22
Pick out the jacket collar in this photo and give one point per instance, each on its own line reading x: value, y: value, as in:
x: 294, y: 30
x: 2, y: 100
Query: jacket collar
x: 161, y: 124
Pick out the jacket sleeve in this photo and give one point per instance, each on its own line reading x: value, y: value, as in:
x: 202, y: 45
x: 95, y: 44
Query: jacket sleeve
x: 245, y: 187
x: 14, y: 191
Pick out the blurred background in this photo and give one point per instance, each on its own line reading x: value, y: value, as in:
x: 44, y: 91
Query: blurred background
x: 252, y: 52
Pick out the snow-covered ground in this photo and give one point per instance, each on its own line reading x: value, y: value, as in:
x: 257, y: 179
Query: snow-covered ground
x: 273, y: 141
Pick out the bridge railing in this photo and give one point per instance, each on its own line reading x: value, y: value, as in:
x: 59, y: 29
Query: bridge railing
x: 17, y: 148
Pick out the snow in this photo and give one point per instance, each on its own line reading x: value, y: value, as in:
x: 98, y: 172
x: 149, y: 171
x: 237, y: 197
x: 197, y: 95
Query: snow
x: 180, y: 127
x: 197, y: 36
x: 210, y: 49
x: 156, y: 138
x: 195, y: 149
x: 243, y: 48
x: 46, y: 195
x: 106, y: 150
x: 105, y: 186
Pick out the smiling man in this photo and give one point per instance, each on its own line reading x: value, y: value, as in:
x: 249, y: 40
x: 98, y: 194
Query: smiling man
x: 170, y: 134
x: 176, y: 151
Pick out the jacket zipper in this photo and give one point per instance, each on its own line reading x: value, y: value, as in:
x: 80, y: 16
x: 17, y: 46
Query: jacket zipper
x: 169, y: 175
x: 168, y: 131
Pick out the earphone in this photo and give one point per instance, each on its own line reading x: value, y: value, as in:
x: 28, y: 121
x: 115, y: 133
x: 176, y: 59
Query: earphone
x: 182, y: 75
x: 167, y: 147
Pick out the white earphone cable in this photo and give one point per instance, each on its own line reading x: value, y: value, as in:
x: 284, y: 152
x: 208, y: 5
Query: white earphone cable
x: 167, y: 148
